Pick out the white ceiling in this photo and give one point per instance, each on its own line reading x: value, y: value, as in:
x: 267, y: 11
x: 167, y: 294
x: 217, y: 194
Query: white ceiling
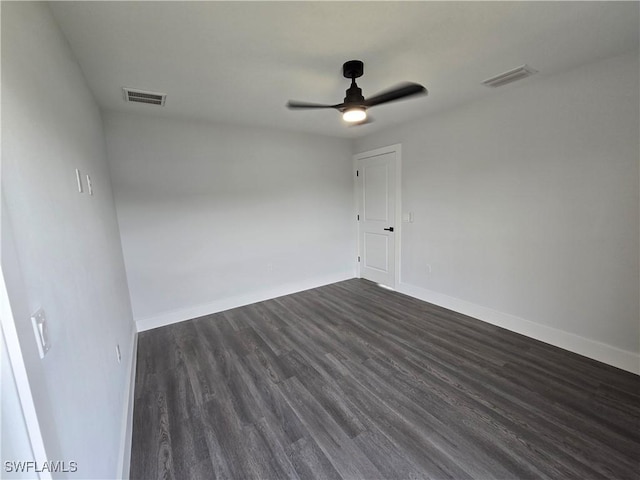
x: 239, y: 62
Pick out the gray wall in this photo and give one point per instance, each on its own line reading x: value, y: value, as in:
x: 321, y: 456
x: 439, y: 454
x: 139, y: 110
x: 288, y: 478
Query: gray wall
x: 527, y: 202
x: 61, y: 249
x: 212, y: 215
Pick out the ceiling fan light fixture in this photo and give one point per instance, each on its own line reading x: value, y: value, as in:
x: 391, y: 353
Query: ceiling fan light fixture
x: 355, y: 114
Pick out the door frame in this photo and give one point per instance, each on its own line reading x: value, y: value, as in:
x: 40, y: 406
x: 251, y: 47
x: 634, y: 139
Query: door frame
x: 397, y: 149
x: 18, y: 369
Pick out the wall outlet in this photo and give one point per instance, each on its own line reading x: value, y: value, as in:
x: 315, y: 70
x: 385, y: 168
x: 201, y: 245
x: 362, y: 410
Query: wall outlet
x: 118, y: 354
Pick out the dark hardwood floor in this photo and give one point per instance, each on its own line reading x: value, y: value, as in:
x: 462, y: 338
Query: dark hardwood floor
x: 354, y: 381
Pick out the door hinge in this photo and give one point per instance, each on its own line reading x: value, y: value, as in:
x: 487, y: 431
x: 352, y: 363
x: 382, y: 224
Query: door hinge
x: 358, y: 217
x: 357, y: 173
x: 358, y: 258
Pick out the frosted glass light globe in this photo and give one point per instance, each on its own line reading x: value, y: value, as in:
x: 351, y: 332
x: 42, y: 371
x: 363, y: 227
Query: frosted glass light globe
x: 354, y: 115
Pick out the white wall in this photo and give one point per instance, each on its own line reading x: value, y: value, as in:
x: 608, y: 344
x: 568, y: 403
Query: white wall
x: 526, y: 204
x: 61, y: 249
x: 213, y: 216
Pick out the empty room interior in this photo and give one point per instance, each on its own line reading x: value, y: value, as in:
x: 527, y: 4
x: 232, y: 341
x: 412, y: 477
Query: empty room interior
x: 320, y: 240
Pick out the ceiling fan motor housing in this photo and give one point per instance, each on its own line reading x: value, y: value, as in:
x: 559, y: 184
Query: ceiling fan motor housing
x: 353, y: 69
x: 354, y: 96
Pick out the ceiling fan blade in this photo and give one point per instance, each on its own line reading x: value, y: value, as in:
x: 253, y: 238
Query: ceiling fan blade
x: 293, y: 104
x: 396, y: 93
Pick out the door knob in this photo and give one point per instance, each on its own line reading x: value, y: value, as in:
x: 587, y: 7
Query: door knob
x: 390, y: 229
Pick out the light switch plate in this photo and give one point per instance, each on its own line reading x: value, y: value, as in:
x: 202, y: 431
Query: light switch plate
x: 89, y: 185
x: 40, y: 330
x: 407, y: 217
x: 79, y: 180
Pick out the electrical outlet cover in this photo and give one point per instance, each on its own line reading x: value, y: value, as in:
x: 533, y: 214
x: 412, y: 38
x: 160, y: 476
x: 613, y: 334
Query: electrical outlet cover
x: 40, y: 330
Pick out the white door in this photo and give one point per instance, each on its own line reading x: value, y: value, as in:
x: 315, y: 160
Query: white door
x: 376, y: 175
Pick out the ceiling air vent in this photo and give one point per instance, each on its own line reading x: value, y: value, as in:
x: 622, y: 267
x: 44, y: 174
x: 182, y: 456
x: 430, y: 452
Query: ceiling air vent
x: 518, y: 73
x: 141, y: 96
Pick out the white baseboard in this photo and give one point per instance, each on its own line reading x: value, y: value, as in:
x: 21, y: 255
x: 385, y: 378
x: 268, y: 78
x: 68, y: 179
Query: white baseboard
x: 223, y: 304
x: 602, y: 352
x: 124, y: 458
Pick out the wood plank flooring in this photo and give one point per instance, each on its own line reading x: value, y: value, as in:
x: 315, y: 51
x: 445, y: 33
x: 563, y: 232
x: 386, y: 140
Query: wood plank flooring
x: 351, y: 381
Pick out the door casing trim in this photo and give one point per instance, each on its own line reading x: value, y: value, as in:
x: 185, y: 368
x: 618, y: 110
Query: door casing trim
x: 397, y: 148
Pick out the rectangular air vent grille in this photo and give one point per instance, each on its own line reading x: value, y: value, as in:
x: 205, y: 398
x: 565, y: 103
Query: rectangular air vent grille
x: 141, y: 96
x: 518, y: 73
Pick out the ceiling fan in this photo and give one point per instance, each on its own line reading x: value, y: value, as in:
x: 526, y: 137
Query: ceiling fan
x: 354, y: 107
